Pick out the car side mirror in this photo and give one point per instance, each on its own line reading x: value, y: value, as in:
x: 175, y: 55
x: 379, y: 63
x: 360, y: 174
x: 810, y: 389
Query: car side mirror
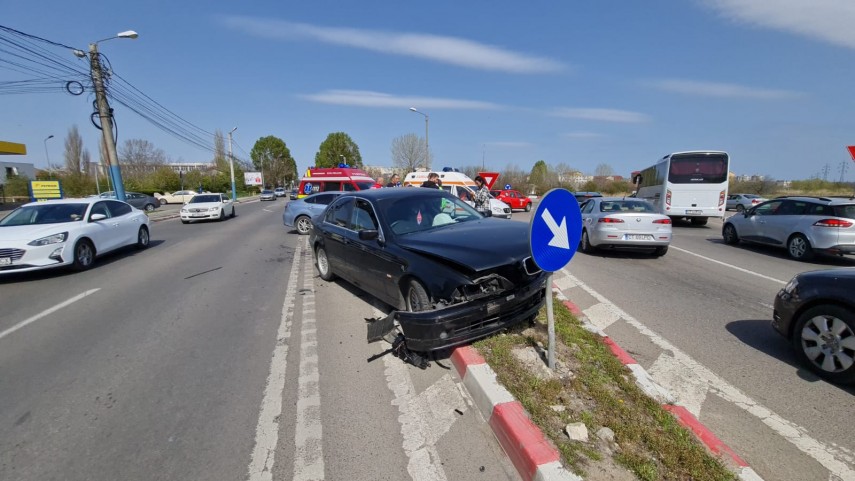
x: 369, y: 234
x: 488, y: 213
x: 97, y: 217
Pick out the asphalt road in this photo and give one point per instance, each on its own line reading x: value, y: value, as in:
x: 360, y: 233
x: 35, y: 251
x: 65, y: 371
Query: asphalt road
x: 218, y: 354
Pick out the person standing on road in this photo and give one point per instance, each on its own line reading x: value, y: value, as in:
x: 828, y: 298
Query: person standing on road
x: 379, y: 183
x: 395, y: 181
x: 433, y: 181
x: 482, y: 195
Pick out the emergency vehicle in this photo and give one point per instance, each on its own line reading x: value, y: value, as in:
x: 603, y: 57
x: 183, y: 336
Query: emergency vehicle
x: 459, y: 184
x: 326, y: 179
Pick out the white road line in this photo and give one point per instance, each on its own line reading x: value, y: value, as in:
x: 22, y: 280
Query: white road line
x: 47, y: 312
x: 267, y: 430
x: 308, y: 435
x: 829, y: 456
x: 779, y: 281
x: 424, y: 463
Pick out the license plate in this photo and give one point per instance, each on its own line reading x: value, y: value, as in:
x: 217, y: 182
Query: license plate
x: 637, y: 237
x: 694, y: 212
x: 198, y: 215
x: 5, y: 261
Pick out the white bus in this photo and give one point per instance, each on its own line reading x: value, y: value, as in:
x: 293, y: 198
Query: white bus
x: 690, y: 185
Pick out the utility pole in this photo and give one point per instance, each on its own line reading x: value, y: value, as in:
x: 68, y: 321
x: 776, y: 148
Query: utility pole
x: 844, y: 165
x: 825, y: 171
x: 106, y: 116
x: 232, y: 165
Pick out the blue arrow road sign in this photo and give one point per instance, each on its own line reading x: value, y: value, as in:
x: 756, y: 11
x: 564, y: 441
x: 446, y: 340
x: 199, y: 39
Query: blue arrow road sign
x: 555, y: 229
x: 507, y: 186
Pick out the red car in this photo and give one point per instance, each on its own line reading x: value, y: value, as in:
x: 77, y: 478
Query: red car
x: 513, y: 198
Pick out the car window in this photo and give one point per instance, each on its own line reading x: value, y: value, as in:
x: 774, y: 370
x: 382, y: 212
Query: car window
x: 348, y: 187
x: 330, y: 186
x: 363, y: 216
x: 45, y: 214
x: 768, y: 208
x: 791, y: 207
x: 588, y: 207
x: 847, y: 211
x: 118, y: 208
x: 339, y: 213
x: 100, y: 208
x: 199, y: 199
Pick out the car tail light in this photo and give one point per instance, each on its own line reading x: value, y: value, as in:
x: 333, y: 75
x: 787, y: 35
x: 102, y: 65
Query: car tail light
x: 662, y: 221
x: 755, y: 201
x: 721, y: 197
x: 832, y: 223
x: 668, y: 198
x: 610, y: 220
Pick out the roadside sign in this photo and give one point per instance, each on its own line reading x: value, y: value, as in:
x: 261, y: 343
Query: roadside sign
x: 45, y: 190
x: 507, y: 186
x: 490, y: 178
x: 852, y: 152
x: 252, y: 178
x: 555, y: 230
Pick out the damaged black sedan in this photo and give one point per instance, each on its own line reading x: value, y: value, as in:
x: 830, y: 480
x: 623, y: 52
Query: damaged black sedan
x: 452, y: 274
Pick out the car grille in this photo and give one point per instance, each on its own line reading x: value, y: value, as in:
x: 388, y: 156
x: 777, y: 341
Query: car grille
x: 15, y: 254
x: 198, y: 210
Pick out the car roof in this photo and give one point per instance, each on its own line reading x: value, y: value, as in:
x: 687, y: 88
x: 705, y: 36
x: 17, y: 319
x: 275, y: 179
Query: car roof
x: 827, y: 200
x: 397, y: 192
x: 85, y: 200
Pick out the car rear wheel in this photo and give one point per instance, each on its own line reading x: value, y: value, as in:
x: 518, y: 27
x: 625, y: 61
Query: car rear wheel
x: 824, y: 339
x: 528, y: 207
x: 84, y: 255
x: 162, y: 201
x: 149, y: 207
x: 699, y: 221
x: 729, y: 234
x: 323, y: 263
x: 585, y: 243
x: 660, y: 251
x: 303, y: 224
x: 799, y: 248
x: 417, y: 297
x: 143, y: 238
x: 233, y: 213
x: 740, y: 208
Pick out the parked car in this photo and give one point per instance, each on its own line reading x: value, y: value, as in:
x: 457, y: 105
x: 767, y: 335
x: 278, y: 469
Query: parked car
x: 206, y: 207
x: 293, y: 194
x: 299, y: 213
x: 279, y: 191
x: 177, y: 197
x: 142, y: 201
x: 583, y: 196
x: 802, y: 225
x: 618, y: 223
x: 267, y: 194
x: 68, y: 232
x: 513, y: 198
x: 428, y: 254
x: 740, y: 202
x: 816, y: 312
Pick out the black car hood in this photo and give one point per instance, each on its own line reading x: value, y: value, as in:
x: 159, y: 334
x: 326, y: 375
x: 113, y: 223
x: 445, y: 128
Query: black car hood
x: 479, y: 245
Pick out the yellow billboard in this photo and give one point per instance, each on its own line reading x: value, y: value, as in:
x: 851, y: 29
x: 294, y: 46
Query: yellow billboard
x: 45, y: 190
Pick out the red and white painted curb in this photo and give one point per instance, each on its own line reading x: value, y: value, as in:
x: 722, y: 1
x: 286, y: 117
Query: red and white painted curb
x: 666, y: 398
x: 532, y: 454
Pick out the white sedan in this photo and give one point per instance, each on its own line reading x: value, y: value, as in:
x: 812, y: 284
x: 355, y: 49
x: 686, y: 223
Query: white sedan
x: 616, y: 223
x: 68, y: 232
x: 177, y: 197
x: 207, y: 207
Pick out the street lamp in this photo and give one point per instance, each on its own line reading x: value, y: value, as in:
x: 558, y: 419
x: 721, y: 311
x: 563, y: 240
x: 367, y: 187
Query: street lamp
x: 47, y: 157
x: 232, y: 165
x: 104, y: 111
x: 427, y: 146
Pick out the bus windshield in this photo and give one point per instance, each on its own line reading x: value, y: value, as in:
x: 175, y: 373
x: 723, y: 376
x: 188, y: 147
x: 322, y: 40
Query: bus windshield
x: 698, y: 169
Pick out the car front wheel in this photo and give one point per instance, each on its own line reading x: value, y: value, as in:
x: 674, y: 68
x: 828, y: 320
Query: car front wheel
x: 799, y: 248
x: 304, y: 225
x: 824, y: 339
x: 323, y: 263
x: 84, y: 255
x: 729, y: 234
x: 417, y: 297
x: 143, y: 238
x: 222, y: 215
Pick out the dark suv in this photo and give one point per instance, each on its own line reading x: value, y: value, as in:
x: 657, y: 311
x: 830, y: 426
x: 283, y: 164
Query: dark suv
x: 802, y: 225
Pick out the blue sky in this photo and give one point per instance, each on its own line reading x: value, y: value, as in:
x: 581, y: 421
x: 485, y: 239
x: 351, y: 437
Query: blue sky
x: 507, y: 82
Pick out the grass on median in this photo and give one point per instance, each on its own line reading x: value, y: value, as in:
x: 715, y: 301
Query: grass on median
x: 600, y: 392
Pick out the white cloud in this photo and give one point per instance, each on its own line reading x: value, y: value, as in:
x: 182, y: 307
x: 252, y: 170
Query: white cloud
x: 723, y: 90
x: 365, y: 98
x: 604, y: 115
x: 450, y: 50
x: 827, y: 20
x: 582, y: 135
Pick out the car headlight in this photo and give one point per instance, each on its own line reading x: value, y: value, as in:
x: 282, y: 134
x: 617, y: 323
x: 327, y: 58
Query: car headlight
x: 184, y: 211
x: 791, y: 286
x: 51, y: 239
x: 213, y: 209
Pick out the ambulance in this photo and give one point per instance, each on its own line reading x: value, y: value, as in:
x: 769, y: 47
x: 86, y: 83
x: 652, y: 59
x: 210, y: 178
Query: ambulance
x: 459, y: 184
x: 326, y: 179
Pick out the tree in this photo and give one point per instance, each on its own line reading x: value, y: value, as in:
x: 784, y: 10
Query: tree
x: 138, y: 157
x: 539, y: 178
x: 220, y: 157
x: 338, y: 147
x: 604, y: 170
x: 409, y: 153
x: 76, y: 156
x: 516, y: 177
x: 273, y: 158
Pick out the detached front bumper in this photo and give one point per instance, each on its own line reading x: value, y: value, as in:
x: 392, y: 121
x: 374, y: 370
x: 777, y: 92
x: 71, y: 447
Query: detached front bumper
x: 465, y: 322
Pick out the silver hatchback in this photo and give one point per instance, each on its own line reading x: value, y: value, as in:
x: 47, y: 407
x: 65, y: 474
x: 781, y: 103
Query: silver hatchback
x: 802, y: 225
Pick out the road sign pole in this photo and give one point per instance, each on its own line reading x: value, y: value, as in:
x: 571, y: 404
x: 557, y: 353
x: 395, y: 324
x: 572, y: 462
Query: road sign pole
x: 550, y: 324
